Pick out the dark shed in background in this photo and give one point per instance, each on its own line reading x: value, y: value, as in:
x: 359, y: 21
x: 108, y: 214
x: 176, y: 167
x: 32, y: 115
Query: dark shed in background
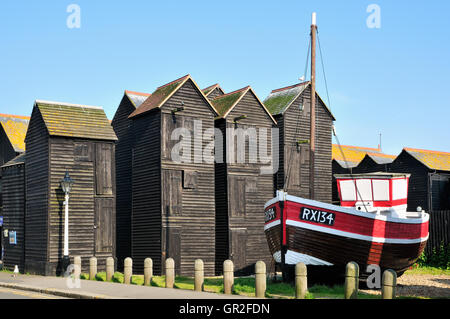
x: 122, y: 127
x: 13, y: 179
x: 79, y: 139
x: 290, y: 106
x: 213, y: 91
x: 173, y: 199
x: 242, y: 188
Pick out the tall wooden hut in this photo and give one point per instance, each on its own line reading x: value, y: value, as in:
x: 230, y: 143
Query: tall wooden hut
x: 213, y: 91
x: 290, y: 106
x: 242, y: 186
x: 12, y: 143
x: 429, y: 184
x: 13, y: 184
x: 122, y: 127
x: 173, y: 198
x: 79, y: 139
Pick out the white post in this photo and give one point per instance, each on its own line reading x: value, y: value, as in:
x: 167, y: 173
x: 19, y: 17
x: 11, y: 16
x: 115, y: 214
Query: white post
x: 66, y: 226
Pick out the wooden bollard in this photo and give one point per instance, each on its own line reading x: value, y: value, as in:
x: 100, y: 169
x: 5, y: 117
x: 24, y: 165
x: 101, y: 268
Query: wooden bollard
x: 127, y: 270
x: 77, y: 267
x: 260, y: 279
x: 389, y: 284
x: 92, y: 268
x: 109, y: 268
x: 301, y: 281
x: 198, y: 275
x: 170, y: 273
x: 351, y: 280
x: 148, y: 271
x: 228, y: 277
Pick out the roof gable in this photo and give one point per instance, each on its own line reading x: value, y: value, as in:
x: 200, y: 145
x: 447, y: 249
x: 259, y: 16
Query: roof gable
x: 350, y: 156
x: 164, y: 93
x: 432, y: 159
x: 19, y: 159
x: 15, y: 127
x: 207, y: 91
x: 136, y: 98
x: 280, y: 100
x: 72, y: 120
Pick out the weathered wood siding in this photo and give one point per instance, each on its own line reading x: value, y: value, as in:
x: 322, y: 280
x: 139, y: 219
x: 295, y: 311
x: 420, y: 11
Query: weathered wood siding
x: 14, y: 215
x: 215, y: 93
x: 7, y: 151
x: 188, y: 188
x: 37, y: 196
x: 240, y: 218
x: 146, y: 191
x: 297, y: 127
x: 122, y: 127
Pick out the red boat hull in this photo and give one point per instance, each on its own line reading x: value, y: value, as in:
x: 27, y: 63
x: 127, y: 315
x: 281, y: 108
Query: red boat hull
x: 336, y: 235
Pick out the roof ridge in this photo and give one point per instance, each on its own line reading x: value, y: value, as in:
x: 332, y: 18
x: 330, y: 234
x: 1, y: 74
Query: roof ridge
x: 137, y: 93
x: 68, y: 104
x: 211, y: 86
x: 359, y: 147
x: 174, y: 81
x: 427, y: 151
x: 21, y: 117
x: 381, y: 155
x: 234, y: 92
x: 290, y: 87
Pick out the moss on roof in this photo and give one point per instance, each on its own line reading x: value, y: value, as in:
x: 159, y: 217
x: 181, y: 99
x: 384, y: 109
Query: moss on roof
x: 15, y: 128
x: 276, y: 104
x: 71, y: 120
x: 432, y: 159
x: 223, y: 103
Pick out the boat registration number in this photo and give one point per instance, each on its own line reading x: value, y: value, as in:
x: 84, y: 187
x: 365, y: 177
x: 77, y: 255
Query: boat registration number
x: 317, y: 216
x: 270, y: 215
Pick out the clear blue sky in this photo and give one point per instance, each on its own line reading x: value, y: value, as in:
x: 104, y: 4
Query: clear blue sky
x: 392, y: 80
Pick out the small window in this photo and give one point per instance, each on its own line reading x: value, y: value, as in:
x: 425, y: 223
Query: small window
x: 190, y: 179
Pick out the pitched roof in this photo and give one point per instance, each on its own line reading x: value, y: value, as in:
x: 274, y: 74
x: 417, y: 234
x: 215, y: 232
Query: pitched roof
x: 432, y: 159
x: 224, y: 104
x: 380, y: 158
x: 351, y: 156
x: 19, y: 159
x: 280, y: 100
x: 163, y: 93
x: 207, y: 91
x: 137, y: 98
x: 72, y: 120
x: 15, y: 127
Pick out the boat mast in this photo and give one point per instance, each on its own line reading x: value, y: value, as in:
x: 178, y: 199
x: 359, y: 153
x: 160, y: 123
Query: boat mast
x: 312, y: 142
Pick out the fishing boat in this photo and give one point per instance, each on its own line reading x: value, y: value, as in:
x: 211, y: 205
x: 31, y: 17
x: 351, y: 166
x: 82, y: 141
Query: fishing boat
x: 371, y: 226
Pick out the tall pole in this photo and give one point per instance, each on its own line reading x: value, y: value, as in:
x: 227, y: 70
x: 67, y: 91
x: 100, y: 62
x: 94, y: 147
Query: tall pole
x: 66, y: 226
x: 313, y: 107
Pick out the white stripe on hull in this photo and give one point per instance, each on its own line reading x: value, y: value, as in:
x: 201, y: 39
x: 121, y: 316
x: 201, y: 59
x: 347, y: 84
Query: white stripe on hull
x: 293, y: 258
x: 353, y: 235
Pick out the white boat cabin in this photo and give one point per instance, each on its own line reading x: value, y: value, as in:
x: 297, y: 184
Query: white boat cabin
x: 375, y: 192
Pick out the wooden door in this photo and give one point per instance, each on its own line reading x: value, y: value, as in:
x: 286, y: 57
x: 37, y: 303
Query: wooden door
x: 236, y: 195
x: 172, y: 192
x: 238, y: 247
x: 104, y: 225
x: 173, y: 246
x: 103, y: 168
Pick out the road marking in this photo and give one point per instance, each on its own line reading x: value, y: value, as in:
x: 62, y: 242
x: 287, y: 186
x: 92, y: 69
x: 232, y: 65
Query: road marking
x: 27, y: 294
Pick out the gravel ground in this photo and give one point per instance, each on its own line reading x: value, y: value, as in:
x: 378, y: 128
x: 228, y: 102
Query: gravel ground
x: 428, y: 286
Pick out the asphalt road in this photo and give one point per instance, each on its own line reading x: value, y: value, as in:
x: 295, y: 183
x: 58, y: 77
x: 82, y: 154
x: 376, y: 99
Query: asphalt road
x: 6, y: 293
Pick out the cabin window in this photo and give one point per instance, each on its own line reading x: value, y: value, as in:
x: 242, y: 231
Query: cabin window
x: 190, y: 179
x: 172, y: 193
x: 364, y: 187
x: 380, y: 190
x: 348, y: 190
x: 399, y: 189
x: 103, y: 169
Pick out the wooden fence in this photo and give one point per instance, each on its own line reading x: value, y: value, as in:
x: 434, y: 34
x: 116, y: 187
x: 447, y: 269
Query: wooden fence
x: 439, y: 230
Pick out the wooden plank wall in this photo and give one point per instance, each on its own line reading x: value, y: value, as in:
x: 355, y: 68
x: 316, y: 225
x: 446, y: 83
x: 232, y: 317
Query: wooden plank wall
x: 247, y: 192
x: 146, y: 192
x: 301, y: 131
x: 439, y: 230
x: 122, y: 127
x: 7, y: 151
x: 37, y: 195
x: 89, y: 165
x: 194, y: 224
x: 14, y: 215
